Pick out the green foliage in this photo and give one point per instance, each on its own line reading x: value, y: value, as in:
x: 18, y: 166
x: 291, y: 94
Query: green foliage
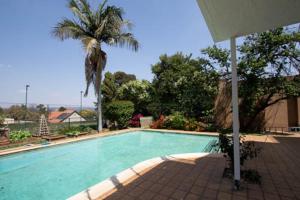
x: 72, y: 133
x: 16, y: 136
x: 112, y: 82
x: 123, y: 78
x: 88, y: 114
x: 94, y: 27
x: 1, y: 111
x: 61, y: 109
x: 120, y: 112
x: 21, y: 113
x: 109, y: 88
x: 191, y: 125
x: 1, y: 120
x: 184, y: 84
x: 175, y: 121
x: 74, y: 130
x: 42, y: 109
x: 247, y: 149
x: 137, y: 92
x: 251, y: 176
x: 266, y: 67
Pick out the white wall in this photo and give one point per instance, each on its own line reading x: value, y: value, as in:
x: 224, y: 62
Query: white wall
x: 74, y: 118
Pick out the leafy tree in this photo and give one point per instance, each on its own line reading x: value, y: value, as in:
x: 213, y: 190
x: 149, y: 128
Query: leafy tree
x: 122, y: 78
x: 112, y: 82
x: 138, y: 92
x: 1, y: 111
x: 21, y: 113
x: 61, y: 109
x: 88, y: 114
x: 104, y: 25
x: 184, y: 84
x: 268, y: 71
x: 42, y: 109
x: 109, y: 88
x: 120, y: 112
x: 1, y: 120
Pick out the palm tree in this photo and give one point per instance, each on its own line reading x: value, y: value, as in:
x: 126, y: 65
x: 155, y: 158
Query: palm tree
x: 93, y: 28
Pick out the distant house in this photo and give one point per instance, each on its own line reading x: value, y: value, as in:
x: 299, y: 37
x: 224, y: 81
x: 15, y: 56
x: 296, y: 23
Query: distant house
x: 9, y: 121
x: 65, y: 116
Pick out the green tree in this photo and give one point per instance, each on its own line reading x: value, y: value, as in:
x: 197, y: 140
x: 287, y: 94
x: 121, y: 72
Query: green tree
x: 21, y: 113
x: 1, y: 111
x: 268, y: 71
x: 42, y: 109
x: 61, y: 109
x: 137, y: 92
x: 109, y: 88
x: 122, y: 78
x: 88, y: 114
x: 184, y: 84
x: 120, y: 112
x: 104, y: 25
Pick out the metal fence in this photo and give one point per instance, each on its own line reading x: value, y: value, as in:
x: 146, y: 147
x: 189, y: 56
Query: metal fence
x: 34, y: 126
x: 20, y: 117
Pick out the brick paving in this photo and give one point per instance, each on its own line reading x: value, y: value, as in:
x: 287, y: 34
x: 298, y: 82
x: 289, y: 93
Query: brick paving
x: 202, y: 178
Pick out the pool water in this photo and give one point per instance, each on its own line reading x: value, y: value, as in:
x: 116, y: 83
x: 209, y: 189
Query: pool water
x: 64, y: 170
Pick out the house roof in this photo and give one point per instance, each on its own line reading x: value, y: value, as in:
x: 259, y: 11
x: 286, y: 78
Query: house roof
x: 59, y: 116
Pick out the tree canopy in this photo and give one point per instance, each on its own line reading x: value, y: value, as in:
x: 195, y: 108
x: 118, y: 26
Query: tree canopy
x: 268, y: 71
x: 185, y: 84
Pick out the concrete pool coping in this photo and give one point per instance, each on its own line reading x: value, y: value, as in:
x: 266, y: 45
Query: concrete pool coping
x: 110, y: 184
x: 31, y: 147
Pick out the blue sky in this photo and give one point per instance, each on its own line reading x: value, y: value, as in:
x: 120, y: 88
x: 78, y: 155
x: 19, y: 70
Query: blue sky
x: 54, y: 69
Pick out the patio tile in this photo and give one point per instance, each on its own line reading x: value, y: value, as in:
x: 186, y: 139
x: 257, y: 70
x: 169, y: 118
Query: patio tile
x: 167, y: 191
x: 156, y: 187
x: 224, y: 196
x: 209, y: 193
x: 197, y: 190
x: 191, y: 196
x: 278, y: 164
x: 160, y: 197
x: 179, y: 194
x: 147, y: 195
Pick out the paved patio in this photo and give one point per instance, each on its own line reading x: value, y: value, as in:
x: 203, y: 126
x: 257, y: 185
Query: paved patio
x: 278, y: 164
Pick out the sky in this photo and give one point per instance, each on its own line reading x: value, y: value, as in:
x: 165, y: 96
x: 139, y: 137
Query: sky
x: 29, y: 54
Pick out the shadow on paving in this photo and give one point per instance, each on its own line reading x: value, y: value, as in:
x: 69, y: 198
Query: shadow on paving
x: 278, y: 164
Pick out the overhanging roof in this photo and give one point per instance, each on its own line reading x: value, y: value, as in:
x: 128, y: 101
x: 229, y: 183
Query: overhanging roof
x: 234, y: 18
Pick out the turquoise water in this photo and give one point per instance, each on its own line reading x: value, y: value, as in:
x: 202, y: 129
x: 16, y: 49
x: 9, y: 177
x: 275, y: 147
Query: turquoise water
x: 62, y: 171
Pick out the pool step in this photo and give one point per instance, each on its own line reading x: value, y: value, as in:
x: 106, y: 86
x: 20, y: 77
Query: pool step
x: 211, y: 147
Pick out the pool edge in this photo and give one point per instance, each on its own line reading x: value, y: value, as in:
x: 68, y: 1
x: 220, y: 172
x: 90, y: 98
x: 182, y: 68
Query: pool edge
x: 22, y: 149
x: 104, y: 187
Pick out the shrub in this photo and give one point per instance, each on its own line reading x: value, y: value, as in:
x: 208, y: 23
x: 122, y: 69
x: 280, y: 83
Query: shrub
x: 175, y: 121
x: 81, y: 128
x: 120, y: 112
x: 191, y: 125
x: 16, y: 136
x: 72, y: 133
x: 248, y: 151
x: 135, y: 120
x: 158, y: 124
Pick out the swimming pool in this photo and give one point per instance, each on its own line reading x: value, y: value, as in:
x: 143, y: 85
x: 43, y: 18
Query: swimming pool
x: 64, y: 170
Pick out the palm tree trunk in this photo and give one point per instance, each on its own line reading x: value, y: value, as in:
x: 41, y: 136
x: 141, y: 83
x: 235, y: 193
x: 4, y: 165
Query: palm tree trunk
x: 100, y: 67
x: 100, y: 109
